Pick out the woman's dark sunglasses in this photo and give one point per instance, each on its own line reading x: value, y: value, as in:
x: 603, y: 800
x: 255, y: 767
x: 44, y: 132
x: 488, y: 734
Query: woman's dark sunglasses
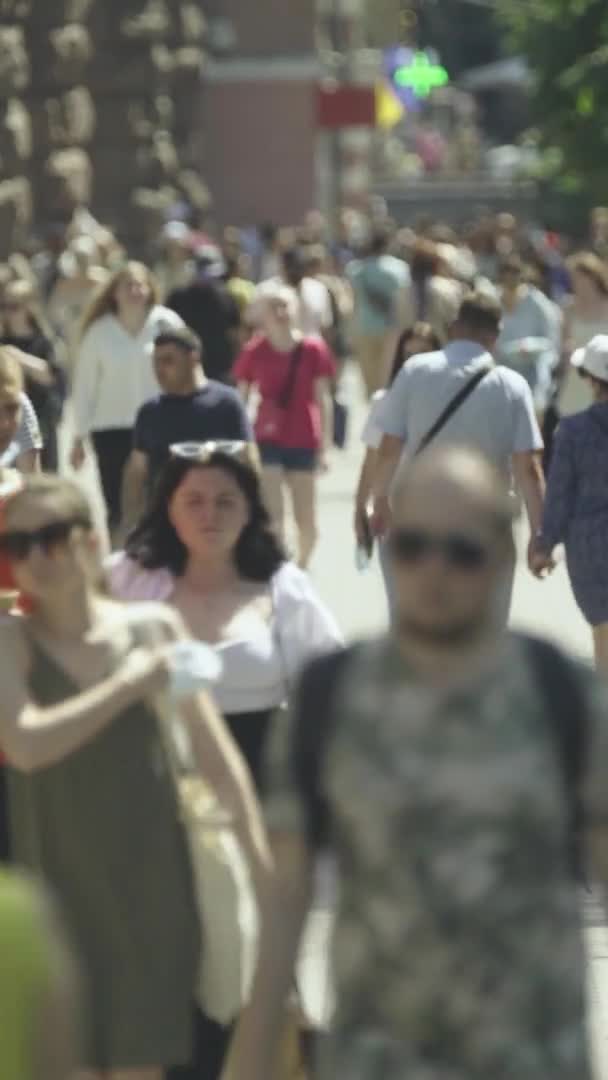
x: 413, y: 546
x: 18, y: 545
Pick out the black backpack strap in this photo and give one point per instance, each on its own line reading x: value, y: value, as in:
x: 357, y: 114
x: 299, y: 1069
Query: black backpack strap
x: 314, y: 721
x: 567, y: 713
x: 453, y: 406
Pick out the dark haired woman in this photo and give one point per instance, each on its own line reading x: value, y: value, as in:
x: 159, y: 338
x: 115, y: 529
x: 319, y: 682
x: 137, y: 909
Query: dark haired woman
x: 576, y: 503
x: 207, y: 547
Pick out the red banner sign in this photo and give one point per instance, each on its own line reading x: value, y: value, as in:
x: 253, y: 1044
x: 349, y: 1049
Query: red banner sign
x: 346, y: 106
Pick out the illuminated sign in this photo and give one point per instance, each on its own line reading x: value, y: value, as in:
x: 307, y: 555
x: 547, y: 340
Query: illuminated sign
x: 413, y: 74
x: 421, y: 75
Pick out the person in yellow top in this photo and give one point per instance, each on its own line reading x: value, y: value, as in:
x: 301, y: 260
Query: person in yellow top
x: 242, y: 291
x: 38, y: 1026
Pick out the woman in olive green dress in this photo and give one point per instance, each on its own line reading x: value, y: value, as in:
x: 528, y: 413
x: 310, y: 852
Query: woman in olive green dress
x: 92, y: 802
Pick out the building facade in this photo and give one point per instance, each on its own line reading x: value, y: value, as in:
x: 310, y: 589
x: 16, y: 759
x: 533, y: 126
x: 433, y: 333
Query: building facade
x: 99, y: 108
x: 266, y: 157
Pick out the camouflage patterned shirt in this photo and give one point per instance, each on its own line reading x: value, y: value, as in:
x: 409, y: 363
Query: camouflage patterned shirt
x: 458, y: 950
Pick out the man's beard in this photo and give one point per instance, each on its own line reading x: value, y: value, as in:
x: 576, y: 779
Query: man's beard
x: 456, y: 634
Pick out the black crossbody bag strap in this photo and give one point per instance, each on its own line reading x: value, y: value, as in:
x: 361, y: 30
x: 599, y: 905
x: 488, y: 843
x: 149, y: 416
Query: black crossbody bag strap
x: 284, y: 398
x: 452, y: 407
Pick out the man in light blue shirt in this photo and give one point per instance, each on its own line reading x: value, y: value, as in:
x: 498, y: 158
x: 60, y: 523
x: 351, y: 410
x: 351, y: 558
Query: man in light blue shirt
x: 497, y: 418
x: 380, y: 287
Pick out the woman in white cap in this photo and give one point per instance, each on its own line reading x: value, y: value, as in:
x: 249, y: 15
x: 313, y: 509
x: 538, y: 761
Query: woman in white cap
x: 576, y: 505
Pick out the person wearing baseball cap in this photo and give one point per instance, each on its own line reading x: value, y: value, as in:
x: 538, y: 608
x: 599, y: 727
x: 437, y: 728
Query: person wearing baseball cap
x: 576, y: 504
x: 592, y: 360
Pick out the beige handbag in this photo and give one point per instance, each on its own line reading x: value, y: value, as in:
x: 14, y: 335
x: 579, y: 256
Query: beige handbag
x: 224, y: 897
x: 225, y: 903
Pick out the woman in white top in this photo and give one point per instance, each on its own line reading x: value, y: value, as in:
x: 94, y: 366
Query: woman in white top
x: 114, y: 373
x: 585, y: 316
x: 419, y: 338
x: 207, y: 547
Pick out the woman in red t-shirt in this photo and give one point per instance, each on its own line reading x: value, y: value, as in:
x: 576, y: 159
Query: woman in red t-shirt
x: 292, y: 375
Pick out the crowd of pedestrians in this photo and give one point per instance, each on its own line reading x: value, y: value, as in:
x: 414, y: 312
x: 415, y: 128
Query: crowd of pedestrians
x: 192, y: 683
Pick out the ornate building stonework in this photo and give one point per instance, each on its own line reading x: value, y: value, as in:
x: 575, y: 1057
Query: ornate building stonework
x: 99, y: 107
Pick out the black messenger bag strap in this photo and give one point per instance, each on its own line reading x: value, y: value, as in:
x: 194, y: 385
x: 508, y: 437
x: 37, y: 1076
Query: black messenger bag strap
x: 453, y: 406
x: 284, y: 399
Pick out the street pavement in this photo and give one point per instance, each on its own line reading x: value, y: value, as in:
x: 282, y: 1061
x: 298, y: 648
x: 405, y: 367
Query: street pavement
x: 357, y: 599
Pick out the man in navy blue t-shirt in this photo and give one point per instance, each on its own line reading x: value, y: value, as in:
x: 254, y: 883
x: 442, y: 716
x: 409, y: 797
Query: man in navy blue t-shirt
x: 190, y: 408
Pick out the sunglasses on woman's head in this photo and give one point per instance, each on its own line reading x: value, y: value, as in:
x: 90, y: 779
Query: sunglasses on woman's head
x: 17, y: 545
x: 202, y: 451
x: 410, y: 547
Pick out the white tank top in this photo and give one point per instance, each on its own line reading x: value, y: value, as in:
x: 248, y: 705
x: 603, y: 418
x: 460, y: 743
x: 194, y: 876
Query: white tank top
x: 253, y: 672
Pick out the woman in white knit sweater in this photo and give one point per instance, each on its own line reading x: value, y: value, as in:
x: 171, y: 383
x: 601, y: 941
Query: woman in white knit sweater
x: 114, y: 373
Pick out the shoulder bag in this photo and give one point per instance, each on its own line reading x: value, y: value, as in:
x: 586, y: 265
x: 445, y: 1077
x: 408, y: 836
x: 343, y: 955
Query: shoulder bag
x: 272, y: 415
x: 223, y: 895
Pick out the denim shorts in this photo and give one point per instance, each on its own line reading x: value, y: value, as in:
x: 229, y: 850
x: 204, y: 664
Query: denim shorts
x: 290, y: 458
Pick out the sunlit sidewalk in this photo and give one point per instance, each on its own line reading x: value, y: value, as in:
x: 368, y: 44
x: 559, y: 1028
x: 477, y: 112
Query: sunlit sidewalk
x: 597, y: 951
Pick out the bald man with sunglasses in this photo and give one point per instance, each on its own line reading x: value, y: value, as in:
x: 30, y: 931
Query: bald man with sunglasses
x: 447, y: 769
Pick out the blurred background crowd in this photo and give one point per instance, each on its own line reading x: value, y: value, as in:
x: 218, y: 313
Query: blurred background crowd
x: 169, y: 132
x: 551, y: 287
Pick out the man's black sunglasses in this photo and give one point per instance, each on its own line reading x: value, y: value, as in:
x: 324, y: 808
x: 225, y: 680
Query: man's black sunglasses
x: 411, y: 546
x: 18, y: 545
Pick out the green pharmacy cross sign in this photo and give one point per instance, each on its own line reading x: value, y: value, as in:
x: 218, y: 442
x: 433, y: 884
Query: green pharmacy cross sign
x: 421, y: 76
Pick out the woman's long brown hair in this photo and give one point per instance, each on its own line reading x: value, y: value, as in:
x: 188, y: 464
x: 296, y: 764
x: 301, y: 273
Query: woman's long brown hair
x: 104, y: 300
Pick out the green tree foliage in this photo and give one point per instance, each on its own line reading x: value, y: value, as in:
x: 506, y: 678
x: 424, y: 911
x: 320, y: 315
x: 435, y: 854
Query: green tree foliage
x: 465, y: 35
x: 566, y: 44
